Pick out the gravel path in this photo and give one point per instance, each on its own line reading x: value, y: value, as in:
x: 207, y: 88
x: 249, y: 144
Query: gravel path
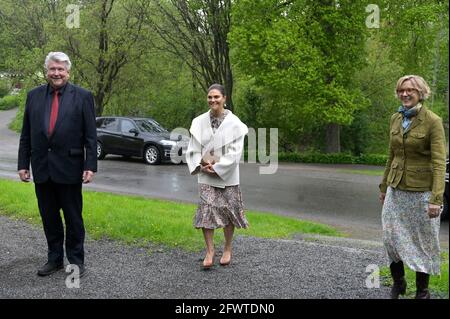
x: 301, y: 268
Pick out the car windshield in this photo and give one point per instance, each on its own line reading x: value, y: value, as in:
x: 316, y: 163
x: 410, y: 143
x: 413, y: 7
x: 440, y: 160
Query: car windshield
x: 150, y: 126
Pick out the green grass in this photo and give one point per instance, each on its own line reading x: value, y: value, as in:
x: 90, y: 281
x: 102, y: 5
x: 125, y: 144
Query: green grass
x: 135, y: 219
x: 362, y: 172
x: 438, y: 284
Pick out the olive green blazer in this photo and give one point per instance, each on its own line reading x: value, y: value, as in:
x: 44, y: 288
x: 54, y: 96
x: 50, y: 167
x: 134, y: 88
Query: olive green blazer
x: 417, y: 155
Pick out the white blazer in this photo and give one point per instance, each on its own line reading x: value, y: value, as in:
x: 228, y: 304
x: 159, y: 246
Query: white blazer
x: 226, y: 143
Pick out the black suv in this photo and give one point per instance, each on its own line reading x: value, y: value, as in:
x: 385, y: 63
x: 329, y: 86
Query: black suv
x: 141, y: 137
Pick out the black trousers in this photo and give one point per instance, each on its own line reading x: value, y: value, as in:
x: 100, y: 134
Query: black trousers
x: 52, y: 197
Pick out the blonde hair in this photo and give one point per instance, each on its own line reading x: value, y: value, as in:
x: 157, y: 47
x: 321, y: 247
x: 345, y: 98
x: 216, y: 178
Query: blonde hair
x: 418, y: 83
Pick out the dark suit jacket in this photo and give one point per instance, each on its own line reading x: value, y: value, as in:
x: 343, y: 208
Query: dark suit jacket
x: 71, y: 149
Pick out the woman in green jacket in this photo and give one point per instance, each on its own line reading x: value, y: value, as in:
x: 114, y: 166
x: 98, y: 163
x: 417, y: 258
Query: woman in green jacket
x: 412, y: 188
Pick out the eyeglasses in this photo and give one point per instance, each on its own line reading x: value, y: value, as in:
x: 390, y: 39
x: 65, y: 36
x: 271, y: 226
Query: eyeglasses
x: 407, y: 91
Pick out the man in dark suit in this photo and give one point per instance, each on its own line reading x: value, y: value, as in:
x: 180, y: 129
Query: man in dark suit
x: 59, y: 138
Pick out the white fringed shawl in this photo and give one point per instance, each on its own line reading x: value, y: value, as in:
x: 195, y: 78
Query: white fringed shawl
x: 227, y: 143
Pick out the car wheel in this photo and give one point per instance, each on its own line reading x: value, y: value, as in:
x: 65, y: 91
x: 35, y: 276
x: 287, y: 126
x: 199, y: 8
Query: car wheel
x: 152, y: 155
x: 100, y: 152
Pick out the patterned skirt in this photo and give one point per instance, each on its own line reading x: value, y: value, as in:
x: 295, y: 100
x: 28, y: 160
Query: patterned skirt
x: 409, y: 234
x: 219, y: 207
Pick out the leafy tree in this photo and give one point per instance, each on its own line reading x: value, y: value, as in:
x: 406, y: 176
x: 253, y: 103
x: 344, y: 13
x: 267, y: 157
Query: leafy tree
x: 310, y: 68
x: 197, y: 32
x: 417, y: 34
x: 304, y: 55
x: 113, y: 35
x: 24, y: 37
x: 369, y: 131
x: 161, y: 88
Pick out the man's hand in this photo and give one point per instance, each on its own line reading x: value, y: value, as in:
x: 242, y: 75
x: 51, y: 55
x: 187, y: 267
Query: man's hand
x: 88, y: 176
x: 24, y: 175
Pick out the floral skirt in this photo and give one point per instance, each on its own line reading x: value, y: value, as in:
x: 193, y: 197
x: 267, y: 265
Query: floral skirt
x: 409, y: 234
x: 219, y: 207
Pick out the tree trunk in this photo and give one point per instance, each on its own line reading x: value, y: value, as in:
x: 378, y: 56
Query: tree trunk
x: 229, y: 88
x: 436, y: 66
x: 201, y: 30
x: 98, y: 99
x: 333, y: 138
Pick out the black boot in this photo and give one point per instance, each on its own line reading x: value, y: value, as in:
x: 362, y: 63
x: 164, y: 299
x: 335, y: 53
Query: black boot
x: 422, y: 280
x: 398, y: 275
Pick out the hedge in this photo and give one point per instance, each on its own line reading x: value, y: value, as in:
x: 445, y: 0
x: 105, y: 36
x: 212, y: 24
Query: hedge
x: 332, y: 158
x: 9, y: 102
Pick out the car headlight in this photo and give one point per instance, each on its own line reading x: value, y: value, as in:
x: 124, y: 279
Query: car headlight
x: 169, y: 143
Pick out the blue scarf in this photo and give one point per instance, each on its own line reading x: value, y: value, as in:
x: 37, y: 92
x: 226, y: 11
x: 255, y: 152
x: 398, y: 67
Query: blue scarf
x: 408, y: 114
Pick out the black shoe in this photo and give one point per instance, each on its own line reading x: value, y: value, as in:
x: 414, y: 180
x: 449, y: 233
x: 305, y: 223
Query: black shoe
x: 398, y: 275
x: 423, y: 294
x: 81, y: 269
x: 399, y: 288
x: 49, y: 268
x: 422, y: 280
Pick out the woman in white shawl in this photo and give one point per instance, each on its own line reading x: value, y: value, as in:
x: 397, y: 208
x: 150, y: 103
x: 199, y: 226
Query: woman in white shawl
x: 214, y: 152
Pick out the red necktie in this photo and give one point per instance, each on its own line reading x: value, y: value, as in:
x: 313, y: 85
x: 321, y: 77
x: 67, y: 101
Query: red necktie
x: 54, y: 112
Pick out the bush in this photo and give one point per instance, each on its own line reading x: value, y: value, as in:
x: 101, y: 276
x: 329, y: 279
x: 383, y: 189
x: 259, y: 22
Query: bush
x: 9, y: 102
x: 333, y: 158
x: 4, y: 88
x: 372, y: 159
x: 16, y: 124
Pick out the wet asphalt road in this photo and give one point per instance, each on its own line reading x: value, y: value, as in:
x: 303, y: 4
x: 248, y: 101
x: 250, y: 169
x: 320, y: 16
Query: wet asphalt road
x: 308, y: 191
